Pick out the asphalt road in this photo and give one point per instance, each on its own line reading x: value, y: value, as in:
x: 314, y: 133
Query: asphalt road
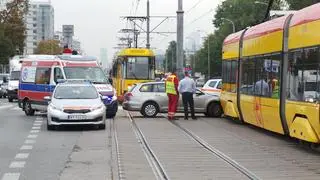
x: 29, y: 152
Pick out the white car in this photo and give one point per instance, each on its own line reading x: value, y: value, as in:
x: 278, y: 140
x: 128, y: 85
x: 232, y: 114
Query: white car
x: 213, y: 87
x: 74, y: 104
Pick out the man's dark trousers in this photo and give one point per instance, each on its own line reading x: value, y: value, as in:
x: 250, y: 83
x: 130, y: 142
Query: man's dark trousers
x: 187, y: 98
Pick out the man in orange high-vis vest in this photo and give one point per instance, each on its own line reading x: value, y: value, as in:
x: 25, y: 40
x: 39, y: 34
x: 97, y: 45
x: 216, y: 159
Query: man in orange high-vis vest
x: 171, y: 85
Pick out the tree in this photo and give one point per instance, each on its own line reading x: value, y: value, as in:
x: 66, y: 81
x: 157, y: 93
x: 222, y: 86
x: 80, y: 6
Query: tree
x: 299, y: 4
x: 49, y: 47
x: 242, y: 14
x: 12, y: 29
x: 6, y: 49
x: 171, y: 56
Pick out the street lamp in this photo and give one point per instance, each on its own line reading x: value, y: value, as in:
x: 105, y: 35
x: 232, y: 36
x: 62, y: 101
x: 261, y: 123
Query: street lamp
x: 233, y: 26
x: 208, y: 35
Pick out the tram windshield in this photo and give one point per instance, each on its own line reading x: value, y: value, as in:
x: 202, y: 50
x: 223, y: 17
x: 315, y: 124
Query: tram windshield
x: 94, y: 74
x: 139, y: 68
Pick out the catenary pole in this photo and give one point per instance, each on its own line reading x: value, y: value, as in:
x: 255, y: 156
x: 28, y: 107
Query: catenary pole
x: 180, y: 53
x: 148, y: 25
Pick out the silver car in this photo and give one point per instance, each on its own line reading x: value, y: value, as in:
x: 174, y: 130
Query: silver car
x: 150, y: 99
x: 75, y: 103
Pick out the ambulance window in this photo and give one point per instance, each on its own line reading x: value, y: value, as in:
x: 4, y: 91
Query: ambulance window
x: 43, y: 75
x: 57, y: 74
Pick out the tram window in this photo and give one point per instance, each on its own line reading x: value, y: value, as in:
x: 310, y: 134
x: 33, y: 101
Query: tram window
x: 296, y: 75
x: 311, y: 75
x: 251, y: 79
x: 138, y: 68
x: 244, y: 77
x: 272, y: 67
x: 261, y: 87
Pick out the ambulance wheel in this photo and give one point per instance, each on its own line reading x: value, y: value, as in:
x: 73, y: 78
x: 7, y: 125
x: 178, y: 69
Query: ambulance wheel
x: 28, y: 109
x: 150, y: 109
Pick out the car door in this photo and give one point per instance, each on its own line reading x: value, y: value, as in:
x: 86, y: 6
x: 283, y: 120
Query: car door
x: 161, y: 96
x: 199, y: 99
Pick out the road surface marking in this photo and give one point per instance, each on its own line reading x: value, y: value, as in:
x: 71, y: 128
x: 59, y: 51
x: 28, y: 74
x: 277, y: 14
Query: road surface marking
x: 29, y: 141
x: 38, y: 121
x: 37, y: 124
x: 36, y: 127
x: 22, y: 156
x: 11, y: 176
x: 17, y: 164
x: 33, y: 136
x: 26, y: 147
x: 34, y: 131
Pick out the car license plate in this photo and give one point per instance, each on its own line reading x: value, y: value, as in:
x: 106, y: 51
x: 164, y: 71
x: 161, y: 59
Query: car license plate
x: 77, y: 117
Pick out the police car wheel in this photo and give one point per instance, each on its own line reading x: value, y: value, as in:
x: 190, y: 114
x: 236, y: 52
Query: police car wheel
x: 150, y: 109
x: 28, y: 109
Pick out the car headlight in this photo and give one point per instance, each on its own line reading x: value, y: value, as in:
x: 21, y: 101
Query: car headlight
x: 97, y: 108
x: 55, y: 107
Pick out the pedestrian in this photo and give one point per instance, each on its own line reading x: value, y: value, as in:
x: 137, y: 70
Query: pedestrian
x: 187, y: 87
x: 171, y: 85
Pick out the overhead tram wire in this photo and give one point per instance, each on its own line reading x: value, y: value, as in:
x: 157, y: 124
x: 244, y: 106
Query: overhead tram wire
x: 194, y: 6
x: 204, y: 14
x: 193, y: 21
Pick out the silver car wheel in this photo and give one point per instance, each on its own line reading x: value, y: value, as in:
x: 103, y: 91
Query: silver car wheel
x: 150, y: 110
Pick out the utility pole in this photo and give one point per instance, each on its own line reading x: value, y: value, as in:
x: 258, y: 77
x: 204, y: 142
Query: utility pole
x: 209, y: 56
x: 148, y: 25
x: 180, y: 57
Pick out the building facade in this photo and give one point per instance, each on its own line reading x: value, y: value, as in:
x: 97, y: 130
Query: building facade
x: 40, y: 25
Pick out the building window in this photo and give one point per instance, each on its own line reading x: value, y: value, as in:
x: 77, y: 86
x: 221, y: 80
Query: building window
x: 34, y: 19
x: 304, y: 75
x: 34, y: 25
x: 35, y: 31
x: 34, y: 43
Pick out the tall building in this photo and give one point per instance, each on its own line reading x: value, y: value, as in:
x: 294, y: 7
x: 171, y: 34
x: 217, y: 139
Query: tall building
x: 76, y: 45
x: 39, y: 23
x: 104, y: 58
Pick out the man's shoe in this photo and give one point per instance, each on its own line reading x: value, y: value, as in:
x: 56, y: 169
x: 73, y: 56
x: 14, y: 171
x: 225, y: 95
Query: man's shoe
x: 194, y: 118
x: 185, y: 118
x: 174, y: 118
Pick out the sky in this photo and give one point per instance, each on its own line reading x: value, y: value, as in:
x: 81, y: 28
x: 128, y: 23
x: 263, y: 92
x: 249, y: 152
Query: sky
x: 97, y: 22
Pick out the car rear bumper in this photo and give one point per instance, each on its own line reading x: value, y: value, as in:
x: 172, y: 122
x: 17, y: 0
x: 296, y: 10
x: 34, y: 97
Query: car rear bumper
x: 130, y: 106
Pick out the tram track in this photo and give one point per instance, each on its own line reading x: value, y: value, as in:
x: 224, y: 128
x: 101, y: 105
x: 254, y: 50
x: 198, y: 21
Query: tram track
x: 154, y: 162
x: 217, y: 153
x: 120, y: 171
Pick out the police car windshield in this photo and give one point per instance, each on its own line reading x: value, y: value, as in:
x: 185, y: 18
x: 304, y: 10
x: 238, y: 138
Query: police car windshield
x: 94, y: 74
x: 76, y: 92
